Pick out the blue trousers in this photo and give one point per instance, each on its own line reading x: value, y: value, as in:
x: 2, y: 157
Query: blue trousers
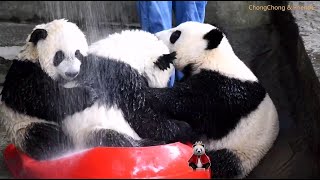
x: 156, y: 16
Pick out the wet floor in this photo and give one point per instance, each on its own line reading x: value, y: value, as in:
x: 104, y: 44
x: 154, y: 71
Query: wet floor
x: 309, y: 26
x: 3, y: 143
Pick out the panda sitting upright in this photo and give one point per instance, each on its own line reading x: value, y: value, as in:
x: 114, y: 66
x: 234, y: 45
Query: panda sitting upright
x: 219, y: 97
x: 34, y: 103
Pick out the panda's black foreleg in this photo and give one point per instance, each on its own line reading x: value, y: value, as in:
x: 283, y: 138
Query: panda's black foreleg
x: 109, y: 138
x: 224, y: 164
x: 45, y: 141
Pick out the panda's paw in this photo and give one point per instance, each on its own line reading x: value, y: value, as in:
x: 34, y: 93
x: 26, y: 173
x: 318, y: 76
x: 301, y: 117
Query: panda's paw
x: 183, y: 126
x: 150, y: 142
x: 91, y: 95
x: 165, y: 60
x: 185, y: 132
x: 44, y: 140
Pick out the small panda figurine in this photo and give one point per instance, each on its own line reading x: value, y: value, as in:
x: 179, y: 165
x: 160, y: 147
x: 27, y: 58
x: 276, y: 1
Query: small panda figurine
x: 199, y: 159
x: 34, y: 103
x: 219, y: 97
x: 121, y: 68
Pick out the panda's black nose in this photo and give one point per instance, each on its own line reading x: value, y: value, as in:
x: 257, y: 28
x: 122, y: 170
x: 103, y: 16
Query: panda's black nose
x: 71, y: 74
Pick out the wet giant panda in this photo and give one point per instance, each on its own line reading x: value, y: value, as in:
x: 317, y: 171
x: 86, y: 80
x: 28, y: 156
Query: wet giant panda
x: 121, y: 68
x: 33, y: 103
x: 219, y: 97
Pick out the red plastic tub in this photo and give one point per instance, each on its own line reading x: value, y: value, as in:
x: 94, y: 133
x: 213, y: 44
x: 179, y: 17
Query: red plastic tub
x: 165, y: 161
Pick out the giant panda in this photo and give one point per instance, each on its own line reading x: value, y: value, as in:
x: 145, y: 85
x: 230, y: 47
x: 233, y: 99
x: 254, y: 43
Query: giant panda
x: 33, y: 103
x: 140, y: 50
x: 219, y: 97
x: 121, y: 68
x: 46, y: 120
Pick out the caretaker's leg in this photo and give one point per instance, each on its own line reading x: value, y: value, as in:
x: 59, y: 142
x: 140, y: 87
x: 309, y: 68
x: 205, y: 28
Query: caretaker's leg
x: 155, y: 16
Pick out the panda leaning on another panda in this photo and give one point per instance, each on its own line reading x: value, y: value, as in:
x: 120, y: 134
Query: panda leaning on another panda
x: 219, y: 97
x: 121, y: 68
x: 45, y: 120
x: 33, y: 103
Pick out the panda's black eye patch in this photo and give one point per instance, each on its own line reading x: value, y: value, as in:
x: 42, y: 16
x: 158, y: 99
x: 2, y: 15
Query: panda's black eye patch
x: 214, y: 38
x: 78, y: 55
x: 175, y: 36
x: 58, y: 58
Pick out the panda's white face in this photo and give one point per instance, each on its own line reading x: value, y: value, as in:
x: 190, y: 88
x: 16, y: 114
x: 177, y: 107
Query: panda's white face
x: 187, y: 40
x: 58, y: 46
x: 139, y: 49
x: 198, y: 150
x: 203, y: 46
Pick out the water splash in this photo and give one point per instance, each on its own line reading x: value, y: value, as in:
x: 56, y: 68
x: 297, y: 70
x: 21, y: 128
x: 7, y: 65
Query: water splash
x: 96, y: 18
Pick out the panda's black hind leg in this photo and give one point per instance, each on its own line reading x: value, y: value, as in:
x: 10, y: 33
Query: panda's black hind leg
x: 109, y: 138
x: 45, y: 141
x: 224, y: 164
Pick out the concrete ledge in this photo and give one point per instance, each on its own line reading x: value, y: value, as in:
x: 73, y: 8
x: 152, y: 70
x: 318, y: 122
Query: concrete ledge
x: 14, y: 34
x: 9, y: 52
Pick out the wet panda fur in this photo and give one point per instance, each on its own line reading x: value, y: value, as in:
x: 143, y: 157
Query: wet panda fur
x: 33, y: 103
x: 121, y: 68
x: 219, y: 97
x: 46, y: 120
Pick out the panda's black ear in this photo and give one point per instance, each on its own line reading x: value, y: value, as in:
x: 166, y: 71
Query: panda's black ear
x: 37, y: 35
x: 214, y: 38
x: 202, y: 145
x: 193, y: 145
x: 164, y: 61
